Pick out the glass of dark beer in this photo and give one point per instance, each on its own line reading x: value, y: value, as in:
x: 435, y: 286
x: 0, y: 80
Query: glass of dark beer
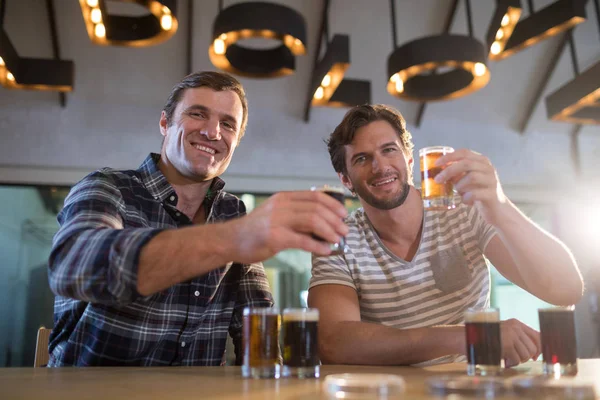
x: 261, y: 343
x: 337, y: 193
x: 484, y: 348
x: 436, y: 196
x: 559, y: 346
x: 300, y: 342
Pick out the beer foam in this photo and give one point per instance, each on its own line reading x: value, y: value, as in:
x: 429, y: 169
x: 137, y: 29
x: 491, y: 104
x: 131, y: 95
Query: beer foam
x: 301, y: 315
x: 557, y: 309
x: 482, y: 316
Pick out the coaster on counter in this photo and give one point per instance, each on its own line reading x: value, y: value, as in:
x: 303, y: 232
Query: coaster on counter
x: 480, y: 386
x: 360, y: 386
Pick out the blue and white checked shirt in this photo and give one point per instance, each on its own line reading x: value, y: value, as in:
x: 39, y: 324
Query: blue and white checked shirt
x: 100, y: 318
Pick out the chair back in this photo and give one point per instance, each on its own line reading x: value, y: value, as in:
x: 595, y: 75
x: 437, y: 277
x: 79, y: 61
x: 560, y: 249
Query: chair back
x: 41, y: 347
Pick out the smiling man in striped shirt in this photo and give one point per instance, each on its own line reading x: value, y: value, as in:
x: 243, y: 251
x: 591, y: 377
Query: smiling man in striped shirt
x: 399, y: 294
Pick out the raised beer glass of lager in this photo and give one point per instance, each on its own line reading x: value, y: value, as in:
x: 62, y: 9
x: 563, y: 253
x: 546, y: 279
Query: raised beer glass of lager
x: 260, y: 342
x: 484, y: 348
x: 436, y: 196
x: 559, y: 346
x: 337, y: 192
x: 300, y: 342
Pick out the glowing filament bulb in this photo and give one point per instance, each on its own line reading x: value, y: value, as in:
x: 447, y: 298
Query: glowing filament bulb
x: 166, y: 10
x: 1, y: 62
x: 100, y: 30
x: 326, y: 81
x: 395, y: 78
x: 297, y: 42
x: 319, y: 93
x: 10, y: 76
x: 92, y: 3
x: 219, y: 46
x: 166, y: 21
x: 96, y: 16
x: 505, y: 20
x: 479, y: 69
x: 499, y: 34
x: 495, y: 48
x: 399, y: 85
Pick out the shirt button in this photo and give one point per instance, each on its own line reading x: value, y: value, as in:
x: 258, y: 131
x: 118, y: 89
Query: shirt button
x: 182, y: 344
x: 172, y: 198
x: 196, y: 293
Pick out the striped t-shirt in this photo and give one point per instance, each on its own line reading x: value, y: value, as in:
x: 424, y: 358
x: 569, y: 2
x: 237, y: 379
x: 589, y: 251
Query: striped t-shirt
x: 447, y: 275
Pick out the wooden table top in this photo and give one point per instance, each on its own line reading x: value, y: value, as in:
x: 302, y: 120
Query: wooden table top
x: 184, y: 383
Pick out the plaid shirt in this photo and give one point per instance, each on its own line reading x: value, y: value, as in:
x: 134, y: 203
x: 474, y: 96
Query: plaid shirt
x: 100, y: 318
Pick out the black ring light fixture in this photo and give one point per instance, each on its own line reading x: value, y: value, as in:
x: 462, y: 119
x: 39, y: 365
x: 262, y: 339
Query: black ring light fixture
x: 257, y: 20
x: 412, y: 68
x: 464, y: 54
x: 122, y: 30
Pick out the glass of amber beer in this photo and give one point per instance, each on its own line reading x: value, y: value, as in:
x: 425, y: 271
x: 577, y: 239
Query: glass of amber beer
x: 559, y: 346
x: 300, y: 342
x: 484, y: 348
x: 337, y: 192
x: 436, y: 196
x: 260, y: 343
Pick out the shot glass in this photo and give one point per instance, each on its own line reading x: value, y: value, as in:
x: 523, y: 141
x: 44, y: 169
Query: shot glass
x: 300, y: 343
x: 337, y: 193
x: 261, y: 343
x: 436, y: 196
x: 484, y: 348
x: 559, y: 345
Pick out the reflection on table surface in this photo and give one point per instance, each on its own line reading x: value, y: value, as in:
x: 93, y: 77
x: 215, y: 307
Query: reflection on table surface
x: 222, y: 382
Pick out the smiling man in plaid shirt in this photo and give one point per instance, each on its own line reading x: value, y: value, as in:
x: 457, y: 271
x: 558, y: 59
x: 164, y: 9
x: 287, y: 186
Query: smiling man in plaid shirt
x: 154, y: 266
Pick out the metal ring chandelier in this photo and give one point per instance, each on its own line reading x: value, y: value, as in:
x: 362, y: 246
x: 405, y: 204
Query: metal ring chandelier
x: 465, y: 55
x: 257, y: 20
x: 123, y: 30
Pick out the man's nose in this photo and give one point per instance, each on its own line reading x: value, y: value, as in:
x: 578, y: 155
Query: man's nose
x: 212, y: 131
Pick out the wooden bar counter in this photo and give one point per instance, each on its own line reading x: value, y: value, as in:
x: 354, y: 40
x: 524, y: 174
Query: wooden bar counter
x: 183, y: 383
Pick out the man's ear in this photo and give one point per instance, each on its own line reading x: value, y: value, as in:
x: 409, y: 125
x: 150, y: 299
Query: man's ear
x: 163, y: 124
x: 345, y: 181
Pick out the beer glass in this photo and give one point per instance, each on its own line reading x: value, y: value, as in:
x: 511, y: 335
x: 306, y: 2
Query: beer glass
x: 436, y: 196
x: 484, y: 348
x: 337, y: 193
x: 559, y: 347
x: 261, y: 343
x: 300, y: 342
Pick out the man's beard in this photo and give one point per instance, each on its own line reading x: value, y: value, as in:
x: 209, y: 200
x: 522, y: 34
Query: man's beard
x: 383, y: 204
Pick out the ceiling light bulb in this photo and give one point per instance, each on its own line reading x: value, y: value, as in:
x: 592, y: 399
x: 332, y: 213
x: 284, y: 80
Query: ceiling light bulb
x: 395, y: 78
x: 495, y: 48
x: 326, y: 80
x: 499, y: 34
x: 479, y: 69
x: 166, y: 21
x: 505, y: 20
x: 219, y: 46
x: 10, y: 76
x: 223, y: 36
x: 1, y: 62
x: 399, y: 85
x: 96, y: 16
x: 319, y: 93
x: 100, y: 30
x: 297, y: 42
x: 92, y: 3
x: 166, y: 10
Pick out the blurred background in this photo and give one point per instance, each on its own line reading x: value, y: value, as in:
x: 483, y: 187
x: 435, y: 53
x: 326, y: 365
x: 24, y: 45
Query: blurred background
x: 550, y: 169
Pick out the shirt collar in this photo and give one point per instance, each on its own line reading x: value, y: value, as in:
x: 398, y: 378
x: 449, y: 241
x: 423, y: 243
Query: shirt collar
x: 161, y: 189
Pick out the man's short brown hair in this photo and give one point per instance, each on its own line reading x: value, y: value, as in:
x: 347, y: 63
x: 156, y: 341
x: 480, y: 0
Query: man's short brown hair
x: 217, y: 81
x: 358, y: 117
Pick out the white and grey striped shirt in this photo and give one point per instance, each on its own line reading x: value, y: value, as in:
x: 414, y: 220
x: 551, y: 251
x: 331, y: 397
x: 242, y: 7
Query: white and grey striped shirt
x: 447, y: 275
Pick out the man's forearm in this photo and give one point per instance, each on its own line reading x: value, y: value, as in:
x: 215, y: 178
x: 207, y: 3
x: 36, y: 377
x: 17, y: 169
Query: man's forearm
x: 373, y: 344
x: 546, y: 266
x: 177, y: 255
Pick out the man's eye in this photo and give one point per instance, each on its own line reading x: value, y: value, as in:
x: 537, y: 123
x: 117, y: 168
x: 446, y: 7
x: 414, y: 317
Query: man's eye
x: 197, y: 114
x: 359, y: 160
x: 389, y: 149
x: 228, y: 125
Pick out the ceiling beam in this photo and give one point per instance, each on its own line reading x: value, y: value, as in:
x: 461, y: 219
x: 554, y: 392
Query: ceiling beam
x: 322, y: 31
x: 447, y: 26
x: 548, y: 72
x: 62, y: 97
